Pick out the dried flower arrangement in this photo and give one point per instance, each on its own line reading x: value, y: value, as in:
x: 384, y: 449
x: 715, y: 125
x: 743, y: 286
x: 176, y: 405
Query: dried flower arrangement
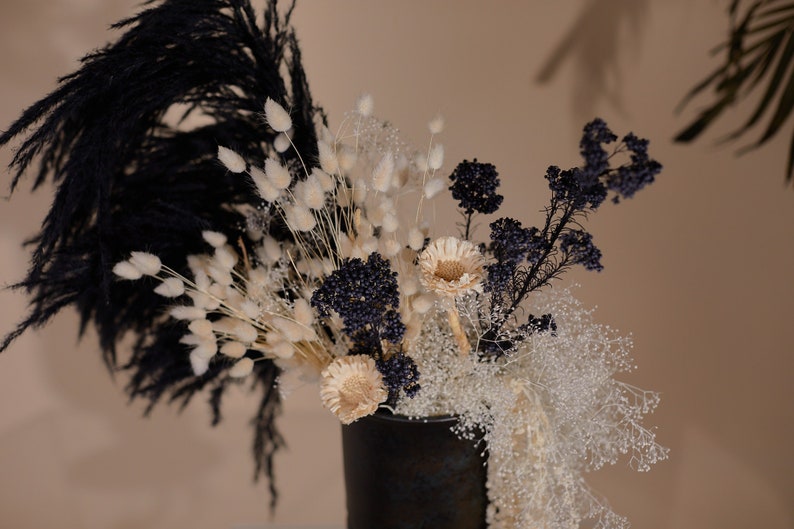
x: 314, y: 259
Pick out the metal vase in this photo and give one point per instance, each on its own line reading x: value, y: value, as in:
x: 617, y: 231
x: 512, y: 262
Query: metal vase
x: 403, y: 473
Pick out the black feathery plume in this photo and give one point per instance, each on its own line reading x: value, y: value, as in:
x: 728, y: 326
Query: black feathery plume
x: 131, y: 140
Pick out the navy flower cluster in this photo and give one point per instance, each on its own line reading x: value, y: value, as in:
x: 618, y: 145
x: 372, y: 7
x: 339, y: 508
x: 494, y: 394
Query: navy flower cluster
x: 474, y: 186
x: 527, y: 259
x: 366, y: 296
x: 399, y: 373
x: 511, y: 244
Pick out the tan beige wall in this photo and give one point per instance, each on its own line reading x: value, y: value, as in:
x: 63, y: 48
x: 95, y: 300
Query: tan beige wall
x: 698, y: 268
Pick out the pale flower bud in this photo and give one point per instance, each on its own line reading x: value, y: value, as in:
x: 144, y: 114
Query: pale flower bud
x: 303, y: 312
x: 277, y: 174
x: 149, y: 264
x: 436, y: 158
x: 328, y: 161
x: 245, y: 332
x: 173, y: 287
x: 299, y: 218
x: 416, y: 239
x: 310, y: 192
x: 126, y: 270
x: 201, y: 328
x: 365, y: 105
x: 264, y: 187
x: 242, y: 368
x: 184, y: 312
x: 325, y: 180
x: 233, y: 161
x: 199, y: 364
x: 214, y: 238
x: 277, y: 117
x: 382, y: 174
x: 436, y: 125
x: 233, y: 349
x: 434, y: 187
x: 281, y: 143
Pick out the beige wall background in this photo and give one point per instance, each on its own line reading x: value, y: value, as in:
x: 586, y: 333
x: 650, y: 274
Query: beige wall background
x: 698, y: 267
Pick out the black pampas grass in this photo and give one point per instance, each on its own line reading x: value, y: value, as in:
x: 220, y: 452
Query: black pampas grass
x: 132, y: 173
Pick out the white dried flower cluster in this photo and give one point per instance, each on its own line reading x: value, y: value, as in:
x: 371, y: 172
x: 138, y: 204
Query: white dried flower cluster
x: 550, y: 407
x: 229, y: 314
x: 549, y: 411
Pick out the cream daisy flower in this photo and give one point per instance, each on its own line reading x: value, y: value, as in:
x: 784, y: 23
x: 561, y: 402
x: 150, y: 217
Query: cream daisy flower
x: 352, y: 387
x: 450, y: 267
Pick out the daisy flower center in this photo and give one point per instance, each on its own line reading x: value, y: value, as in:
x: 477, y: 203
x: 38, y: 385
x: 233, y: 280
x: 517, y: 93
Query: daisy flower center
x: 449, y: 270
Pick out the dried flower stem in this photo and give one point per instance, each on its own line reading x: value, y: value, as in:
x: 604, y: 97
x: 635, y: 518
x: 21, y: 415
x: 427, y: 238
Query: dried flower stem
x: 457, y: 330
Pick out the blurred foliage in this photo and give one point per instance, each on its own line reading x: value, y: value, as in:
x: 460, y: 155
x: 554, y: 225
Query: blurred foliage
x: 757, y: 59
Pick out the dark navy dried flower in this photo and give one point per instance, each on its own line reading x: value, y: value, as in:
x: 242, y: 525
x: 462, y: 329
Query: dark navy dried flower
x: 474, y: 185
x: 511, y: 244
x: 399, y: 373
x: 576, y: 187
x: 628, y: 179
x: 596, y: 158
x: 366, y: 297
x: 578, y: 247
x: 544, y: 323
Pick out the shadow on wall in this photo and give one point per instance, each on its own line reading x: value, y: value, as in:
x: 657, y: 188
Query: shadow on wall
x: 603, y: 31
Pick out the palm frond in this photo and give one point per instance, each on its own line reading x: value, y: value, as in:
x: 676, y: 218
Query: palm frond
x: 757, y: 56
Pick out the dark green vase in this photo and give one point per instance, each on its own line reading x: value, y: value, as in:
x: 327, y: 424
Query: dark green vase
x: 403, y: 473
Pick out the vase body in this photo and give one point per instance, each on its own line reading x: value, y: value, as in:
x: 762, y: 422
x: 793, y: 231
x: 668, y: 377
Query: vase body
x: 405, y: 473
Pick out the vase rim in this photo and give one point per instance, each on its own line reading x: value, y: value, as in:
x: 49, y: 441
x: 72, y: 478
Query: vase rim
x: 387, y: 416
